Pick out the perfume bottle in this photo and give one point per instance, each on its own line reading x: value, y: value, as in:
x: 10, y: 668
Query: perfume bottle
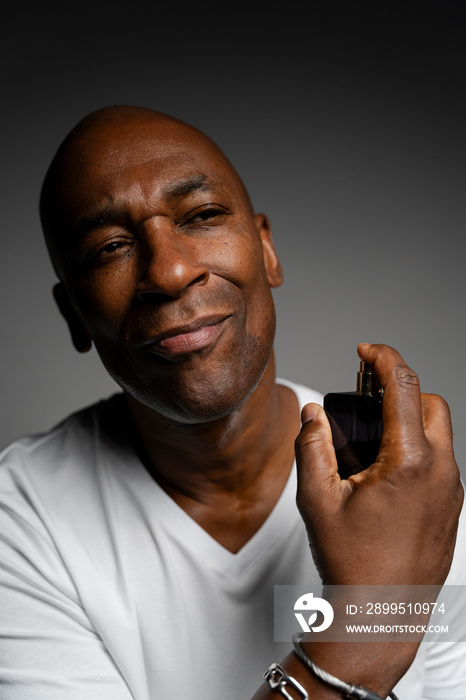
x: 356, y: 421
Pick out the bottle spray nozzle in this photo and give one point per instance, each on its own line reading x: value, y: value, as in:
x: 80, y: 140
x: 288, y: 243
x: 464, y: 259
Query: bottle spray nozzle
x: 367, y: 381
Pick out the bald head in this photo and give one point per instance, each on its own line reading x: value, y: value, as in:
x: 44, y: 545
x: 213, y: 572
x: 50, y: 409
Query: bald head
x: 110, y: 140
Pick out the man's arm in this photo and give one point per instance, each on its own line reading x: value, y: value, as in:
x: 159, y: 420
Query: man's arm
x: 393, y: 524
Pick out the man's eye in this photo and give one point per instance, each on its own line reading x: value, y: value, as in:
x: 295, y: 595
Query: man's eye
x: 111, y: 247
x: 205, y: 215
x: 106, y: 252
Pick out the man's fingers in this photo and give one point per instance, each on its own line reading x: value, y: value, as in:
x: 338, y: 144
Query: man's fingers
x: 437, y: 421
x: 402, y: 412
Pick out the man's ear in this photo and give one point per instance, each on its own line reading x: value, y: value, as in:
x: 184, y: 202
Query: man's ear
x: 79, y: 334
x: 271, y: 261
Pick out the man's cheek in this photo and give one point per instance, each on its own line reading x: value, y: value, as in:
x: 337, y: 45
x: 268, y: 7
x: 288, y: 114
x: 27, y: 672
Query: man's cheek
x: 240, y: 262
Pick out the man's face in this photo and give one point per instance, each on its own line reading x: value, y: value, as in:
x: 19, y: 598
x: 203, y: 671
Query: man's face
x: 166, y: 268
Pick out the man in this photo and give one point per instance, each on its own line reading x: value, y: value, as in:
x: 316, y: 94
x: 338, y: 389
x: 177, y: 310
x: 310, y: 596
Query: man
x: 142, y: 537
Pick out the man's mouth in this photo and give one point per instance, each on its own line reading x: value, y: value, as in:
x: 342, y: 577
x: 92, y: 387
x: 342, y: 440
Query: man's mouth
x: 197, y: 335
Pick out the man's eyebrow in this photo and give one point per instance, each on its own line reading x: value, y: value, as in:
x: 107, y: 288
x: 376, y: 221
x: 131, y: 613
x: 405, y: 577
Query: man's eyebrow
x: 186, y: 186
x: 101, y: 218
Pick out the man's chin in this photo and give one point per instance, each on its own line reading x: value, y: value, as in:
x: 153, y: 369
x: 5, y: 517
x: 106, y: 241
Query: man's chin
x: 196, y: 404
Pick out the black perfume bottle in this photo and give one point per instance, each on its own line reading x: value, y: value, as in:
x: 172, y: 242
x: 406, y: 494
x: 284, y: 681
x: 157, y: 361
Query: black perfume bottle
x: 356, y: 421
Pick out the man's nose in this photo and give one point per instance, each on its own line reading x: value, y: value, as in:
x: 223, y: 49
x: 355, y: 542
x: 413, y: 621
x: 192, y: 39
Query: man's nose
x: 169, y: 263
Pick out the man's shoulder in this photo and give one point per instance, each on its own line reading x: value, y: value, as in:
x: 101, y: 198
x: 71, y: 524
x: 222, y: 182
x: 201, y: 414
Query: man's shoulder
x: 42, y: 455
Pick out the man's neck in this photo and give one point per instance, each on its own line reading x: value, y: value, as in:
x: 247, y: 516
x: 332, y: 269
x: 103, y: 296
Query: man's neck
x: 226, y: 474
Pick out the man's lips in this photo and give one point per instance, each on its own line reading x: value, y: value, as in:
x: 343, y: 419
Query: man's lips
x: 190, y: 337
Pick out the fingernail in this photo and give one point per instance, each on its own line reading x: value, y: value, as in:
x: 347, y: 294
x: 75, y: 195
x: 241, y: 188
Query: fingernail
x: 309, y: 412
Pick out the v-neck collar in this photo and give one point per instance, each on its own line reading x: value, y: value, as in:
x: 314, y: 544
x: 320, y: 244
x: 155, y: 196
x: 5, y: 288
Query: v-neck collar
x: 181, y: 525
x: 162, y: 511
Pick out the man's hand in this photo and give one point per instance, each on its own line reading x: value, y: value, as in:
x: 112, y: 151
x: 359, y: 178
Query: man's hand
x: 392, y: 524
x: 395, y: 522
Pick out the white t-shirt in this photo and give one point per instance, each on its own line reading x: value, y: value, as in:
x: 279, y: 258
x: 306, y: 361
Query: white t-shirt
x: 110, y: 591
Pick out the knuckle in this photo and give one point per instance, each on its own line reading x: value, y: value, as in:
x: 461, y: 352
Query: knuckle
x: 408, y: 457
x: 418, y: 457
x: 405, y: 376
x: 300, y: 442
x: 307, y: 436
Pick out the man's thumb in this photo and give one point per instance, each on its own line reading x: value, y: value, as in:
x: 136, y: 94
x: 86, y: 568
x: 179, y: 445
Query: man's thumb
x: 317, y: 467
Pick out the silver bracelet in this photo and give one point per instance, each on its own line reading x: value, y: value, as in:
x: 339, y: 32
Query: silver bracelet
x: 277, y: 678
x: 357, y: 692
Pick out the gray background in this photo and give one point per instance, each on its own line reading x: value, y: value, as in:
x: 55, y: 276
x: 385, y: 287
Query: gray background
x: 347, y: 123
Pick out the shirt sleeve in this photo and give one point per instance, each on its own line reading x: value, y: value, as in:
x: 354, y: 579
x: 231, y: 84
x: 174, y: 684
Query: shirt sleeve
x: 48, y: 647
x: 445, y: 661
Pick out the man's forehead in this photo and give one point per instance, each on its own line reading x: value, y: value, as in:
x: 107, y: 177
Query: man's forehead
x: 171, y: 159
x: 137, y: 184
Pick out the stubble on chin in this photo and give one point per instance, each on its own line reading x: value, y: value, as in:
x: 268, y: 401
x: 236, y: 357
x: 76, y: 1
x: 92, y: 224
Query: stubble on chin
x: 192, y: 395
